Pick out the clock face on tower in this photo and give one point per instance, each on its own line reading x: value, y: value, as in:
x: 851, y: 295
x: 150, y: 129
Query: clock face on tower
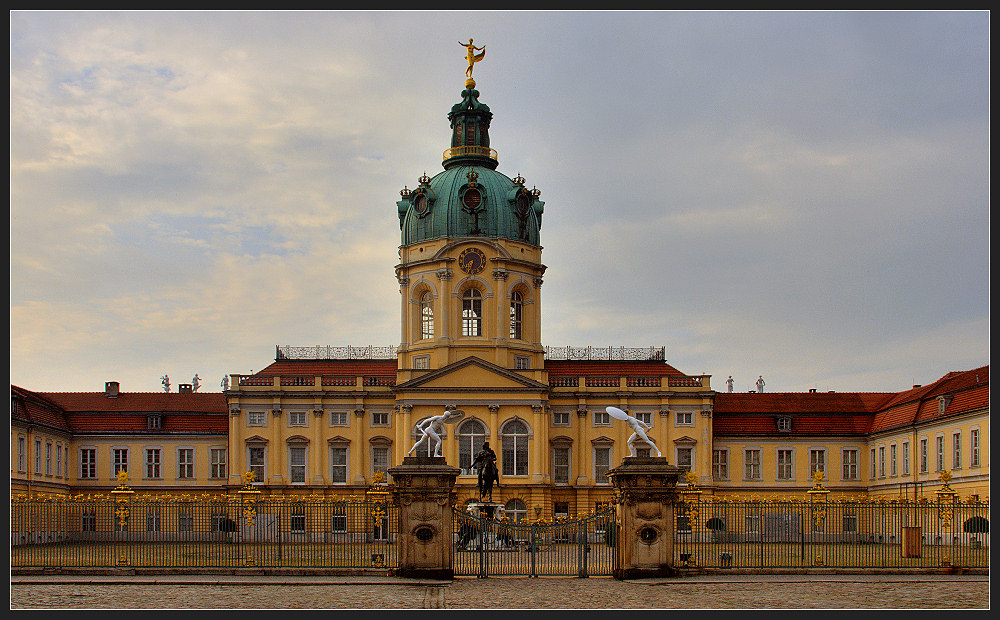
x: 472, y: 260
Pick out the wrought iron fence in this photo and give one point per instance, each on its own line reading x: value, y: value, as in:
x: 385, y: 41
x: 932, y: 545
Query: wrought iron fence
x: 581, y: 547
x: 216, y: 533
x: 836, y: 534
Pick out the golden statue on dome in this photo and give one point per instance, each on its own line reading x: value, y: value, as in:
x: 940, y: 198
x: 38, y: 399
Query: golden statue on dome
x: 472, y: 57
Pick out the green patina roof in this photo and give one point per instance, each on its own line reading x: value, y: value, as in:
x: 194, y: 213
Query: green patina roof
x: 470, y: 198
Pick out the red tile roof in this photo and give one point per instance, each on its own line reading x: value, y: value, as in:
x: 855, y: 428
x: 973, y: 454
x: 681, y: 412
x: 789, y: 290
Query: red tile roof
x: 849, y: 413
x: 328, y: 367
x: 36, y: 409
x: 812, y: 413
x: 571, y: 368
x: 183, y: 412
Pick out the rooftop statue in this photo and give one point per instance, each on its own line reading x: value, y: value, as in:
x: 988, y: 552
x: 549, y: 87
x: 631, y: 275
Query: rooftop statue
x: 472, y: 56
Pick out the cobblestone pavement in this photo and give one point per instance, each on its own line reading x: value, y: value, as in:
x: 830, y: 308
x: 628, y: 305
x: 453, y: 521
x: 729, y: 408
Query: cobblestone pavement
x: 711, y: 592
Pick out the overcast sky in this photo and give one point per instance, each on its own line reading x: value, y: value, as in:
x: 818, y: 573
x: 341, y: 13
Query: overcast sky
x: 803, y: 196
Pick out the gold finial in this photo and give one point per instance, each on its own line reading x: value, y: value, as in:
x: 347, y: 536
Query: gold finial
x: 473, y: 58
x: 248, y: 478
x: 122, y: 478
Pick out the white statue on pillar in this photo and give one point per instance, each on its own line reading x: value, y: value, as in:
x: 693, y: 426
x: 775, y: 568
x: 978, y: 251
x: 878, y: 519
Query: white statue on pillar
x: 760, y: 384
x: 195, y: 383
x: 165, y: 382
x: 225, y: 383
x: 431, y: 428
x: 638, y: 427
x: 729, y: 384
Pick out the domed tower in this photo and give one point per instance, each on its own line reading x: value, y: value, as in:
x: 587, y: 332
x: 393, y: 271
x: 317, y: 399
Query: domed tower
x: 470, y: 270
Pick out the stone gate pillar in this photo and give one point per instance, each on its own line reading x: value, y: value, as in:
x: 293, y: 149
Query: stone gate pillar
x: 423, y: 489
x: 645, y: 494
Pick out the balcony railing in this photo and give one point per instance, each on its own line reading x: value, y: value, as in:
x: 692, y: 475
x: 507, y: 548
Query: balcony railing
x: 645, y: 354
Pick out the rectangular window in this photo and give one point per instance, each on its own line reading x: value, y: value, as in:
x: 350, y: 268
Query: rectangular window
x: 256, y: 418
x: 297, y: 463
x: 939, y: 453
x: 297, y: 520
x: 153, y: 519
x: 522, y: 362
x: 422, y: 362
x: 152, y: 462
x: 850, y: 523
x: 380, y: 418
x: 88, y: 462
x: 380, y: 459
x: 751, y: 462
x: 785, y: 467
x: 48, y: 458
x: 153, y: 422
x: 185, y: 519
x: 850, y: 458
x: 720, y: 464
x: 38, y: 456
x: 684, y: 418
x: 602, y: 463
x: 784, y: 424
x: 338, y: 464
x: 881, y: 461
x: 20, y: 453
x: 906, y: 458
x: 974, y: 447
x: 892, y: 460
x: 185, y: 463
x: 88, y: 520
x: 59, y: 460
x: 817, y: 461
x: 956, y: 451
x: 685, y: 458
x: 560, y: 465
x: 602, y: 418
x: 338, y: 518
x: 338, y: 418
x: 873, y: 463
x: 218, y: 458
x: 560, y: 418
x: 119, y: 457
x: 296, y: 418
x: 256, y: 454
x: 923, y: 456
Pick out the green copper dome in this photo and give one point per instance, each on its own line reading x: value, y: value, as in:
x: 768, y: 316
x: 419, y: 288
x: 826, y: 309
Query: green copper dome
x: 470, y: 198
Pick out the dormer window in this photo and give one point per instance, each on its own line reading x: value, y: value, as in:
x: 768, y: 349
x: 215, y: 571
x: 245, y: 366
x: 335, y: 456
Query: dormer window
x: 154, y: 422
x: 784, y: 423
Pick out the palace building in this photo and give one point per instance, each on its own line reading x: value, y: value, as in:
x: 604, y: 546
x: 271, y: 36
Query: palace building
x: 326, y: 420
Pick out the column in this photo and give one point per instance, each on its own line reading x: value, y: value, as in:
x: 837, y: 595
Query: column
x: 423, y: 488
x: 645, y: 495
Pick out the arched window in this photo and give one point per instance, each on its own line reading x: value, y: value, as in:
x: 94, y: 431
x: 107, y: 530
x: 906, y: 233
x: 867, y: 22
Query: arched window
x: 514, y: 443
x: 516, y: 510
x: 472, y: 313
x: 516, y: 306
x: 426, y: 315
x: 471, y: 435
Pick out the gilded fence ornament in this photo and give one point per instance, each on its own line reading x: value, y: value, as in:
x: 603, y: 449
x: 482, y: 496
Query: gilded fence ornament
x: 946, y: 500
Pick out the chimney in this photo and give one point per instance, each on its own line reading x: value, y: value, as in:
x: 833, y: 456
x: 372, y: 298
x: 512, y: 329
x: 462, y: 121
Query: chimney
x: 184, y: 388
x: 111, y: 389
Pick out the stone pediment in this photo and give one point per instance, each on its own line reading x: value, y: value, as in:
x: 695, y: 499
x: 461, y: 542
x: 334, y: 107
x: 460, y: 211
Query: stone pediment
x: 685, y: 439
x: 471, y: 373
x: 255, y: 439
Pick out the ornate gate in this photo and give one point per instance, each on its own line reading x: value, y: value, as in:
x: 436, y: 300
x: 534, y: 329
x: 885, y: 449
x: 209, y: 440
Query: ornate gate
x: 581, y: 547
